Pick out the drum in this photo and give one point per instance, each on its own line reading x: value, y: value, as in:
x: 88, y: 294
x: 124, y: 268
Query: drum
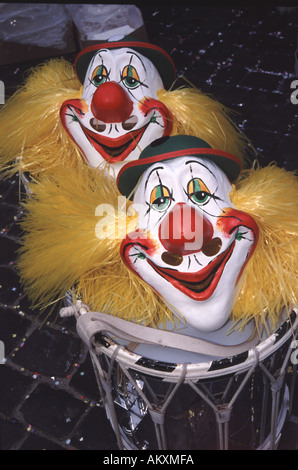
x: 185, y: 392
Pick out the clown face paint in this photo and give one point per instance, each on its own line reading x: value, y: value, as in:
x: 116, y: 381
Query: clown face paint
x: 118, y: 114
x: 191, y: 244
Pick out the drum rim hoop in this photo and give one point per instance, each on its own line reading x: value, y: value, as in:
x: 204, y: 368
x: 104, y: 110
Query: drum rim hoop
x: 215, y: 368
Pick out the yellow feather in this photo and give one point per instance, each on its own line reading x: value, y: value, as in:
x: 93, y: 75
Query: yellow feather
x: 61, y: 250
x: 269, y: 282
x: 31, y: 134
x: 33, y: 139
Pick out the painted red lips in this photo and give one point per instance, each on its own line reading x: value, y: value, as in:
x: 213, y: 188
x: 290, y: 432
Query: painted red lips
x: 115, y: 150
x: 199, y: 285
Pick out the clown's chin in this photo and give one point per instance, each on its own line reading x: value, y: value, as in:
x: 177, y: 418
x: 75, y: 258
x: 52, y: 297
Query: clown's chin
x: 211, y: 312
x: 203, y: 317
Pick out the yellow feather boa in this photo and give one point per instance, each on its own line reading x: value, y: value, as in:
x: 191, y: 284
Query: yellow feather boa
x: 61, y: 250
x: 33, y: 139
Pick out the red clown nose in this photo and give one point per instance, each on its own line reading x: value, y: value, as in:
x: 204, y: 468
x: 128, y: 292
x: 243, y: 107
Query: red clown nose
x: 184, y: 230
x: 111, y: 103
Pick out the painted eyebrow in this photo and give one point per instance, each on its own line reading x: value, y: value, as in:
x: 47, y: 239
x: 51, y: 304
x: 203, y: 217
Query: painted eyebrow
x: 98, y: 54
x: 199, y: 163
x: 95, y: 57
x: 154, y: 169
x: 134, y: 53
x: 90, y: 69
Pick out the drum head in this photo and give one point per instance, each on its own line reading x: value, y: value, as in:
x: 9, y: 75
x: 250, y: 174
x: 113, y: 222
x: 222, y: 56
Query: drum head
x: 224, y: 336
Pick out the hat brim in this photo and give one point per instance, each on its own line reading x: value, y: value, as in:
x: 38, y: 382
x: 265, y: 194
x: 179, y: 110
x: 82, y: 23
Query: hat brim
x: 130, y: 173
x: 158, y: 57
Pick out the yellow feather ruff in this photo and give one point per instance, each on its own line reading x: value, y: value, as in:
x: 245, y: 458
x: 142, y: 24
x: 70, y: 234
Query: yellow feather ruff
x: 61, y: 250
x: 31, y: 134
x: 269, y: 282
x: 34, y: 140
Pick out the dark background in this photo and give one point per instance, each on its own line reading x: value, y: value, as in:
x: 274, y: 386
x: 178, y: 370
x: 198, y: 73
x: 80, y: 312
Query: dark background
x: 245, y: 58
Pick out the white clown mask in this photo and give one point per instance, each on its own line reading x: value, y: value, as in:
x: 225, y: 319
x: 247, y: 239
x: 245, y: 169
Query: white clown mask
x: 118, y: 113
x: 191, y: 245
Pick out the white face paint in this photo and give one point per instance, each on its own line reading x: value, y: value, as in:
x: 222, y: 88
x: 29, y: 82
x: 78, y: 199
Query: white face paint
x: 191, y: 244
x: 118, y: 114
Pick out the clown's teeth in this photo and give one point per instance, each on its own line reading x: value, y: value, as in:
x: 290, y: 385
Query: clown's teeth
x: 97, y: 125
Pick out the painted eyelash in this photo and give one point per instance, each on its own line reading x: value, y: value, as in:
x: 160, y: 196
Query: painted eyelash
x: 130, y: 91
x: 88, y: 84
x: 210, y: 194
x: 202, y: 205
x: 154, y: 119
x: 91, y: 83
x: 141, y: 83
x: 149, y: 212
x: 149, y: 208
x: 108, y: 76
x: 138, y: 255
x: 213, y: 196
x: 78, y: 110
x: 159, y: 178
x: 170, y: 190
x: 240, y: 236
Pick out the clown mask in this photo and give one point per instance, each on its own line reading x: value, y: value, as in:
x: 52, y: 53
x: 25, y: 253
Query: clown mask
x: 191, y: 245
x: 118, y: 114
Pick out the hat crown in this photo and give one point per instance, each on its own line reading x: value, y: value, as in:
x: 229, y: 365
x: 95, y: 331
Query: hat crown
x: 173, y: 143
x: 167, y: 148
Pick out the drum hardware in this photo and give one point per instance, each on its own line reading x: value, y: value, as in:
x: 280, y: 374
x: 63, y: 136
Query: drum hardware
x: 77, y: 309
x: 126, y: 381
x: 127, y: 397
x: 293, y: 372
x: 223, y: 410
